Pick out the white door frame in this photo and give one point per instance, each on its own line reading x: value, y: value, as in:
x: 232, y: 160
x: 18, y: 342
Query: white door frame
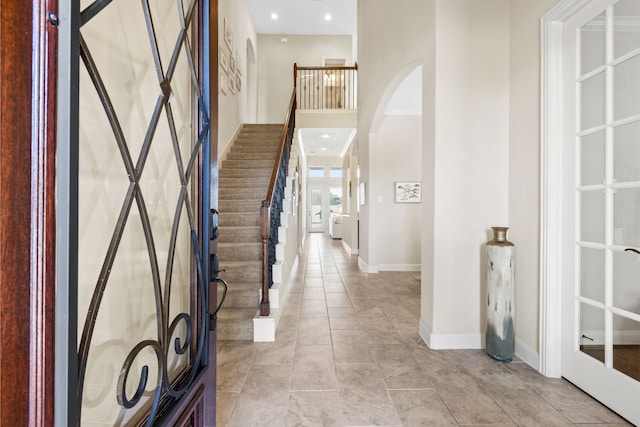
x: 552, y: 203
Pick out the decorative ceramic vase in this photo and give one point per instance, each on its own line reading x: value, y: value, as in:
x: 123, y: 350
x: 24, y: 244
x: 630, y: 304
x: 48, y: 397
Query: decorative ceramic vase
x: 500, y: 257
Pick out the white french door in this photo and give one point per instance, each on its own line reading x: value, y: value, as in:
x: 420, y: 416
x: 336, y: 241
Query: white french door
x: 601, y: 279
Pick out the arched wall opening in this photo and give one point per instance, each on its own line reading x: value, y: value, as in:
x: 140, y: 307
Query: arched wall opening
x: 395, y: 179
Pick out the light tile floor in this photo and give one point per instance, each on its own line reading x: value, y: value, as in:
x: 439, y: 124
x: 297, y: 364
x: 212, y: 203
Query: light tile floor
x: 347, y: 353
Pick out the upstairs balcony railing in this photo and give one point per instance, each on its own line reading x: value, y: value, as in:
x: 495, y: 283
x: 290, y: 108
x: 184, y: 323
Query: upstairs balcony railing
x: 326, y: 88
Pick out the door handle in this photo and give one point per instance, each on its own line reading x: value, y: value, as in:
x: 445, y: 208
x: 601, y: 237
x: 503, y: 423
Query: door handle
x: 632, y: 250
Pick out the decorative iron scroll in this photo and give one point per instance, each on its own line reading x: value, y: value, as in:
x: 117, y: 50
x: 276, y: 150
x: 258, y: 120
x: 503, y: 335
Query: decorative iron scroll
x: 164, y: 389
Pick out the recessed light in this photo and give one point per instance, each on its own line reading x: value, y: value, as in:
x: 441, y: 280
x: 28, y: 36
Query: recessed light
x: 274, y: 16
x: 324, y: 148
x: 327, y: 17
x: 325, y: 135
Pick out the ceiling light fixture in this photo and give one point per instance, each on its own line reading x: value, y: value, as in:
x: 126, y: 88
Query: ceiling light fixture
x: 325, y: 135
x: 274, y: 16
x: 327, y: 17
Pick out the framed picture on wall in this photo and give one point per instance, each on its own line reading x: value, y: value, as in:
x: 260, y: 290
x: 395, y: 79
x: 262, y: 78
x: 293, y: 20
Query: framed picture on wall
x: 232, y: 63
x: 228, y: 35
x: 408, y: 192
x: 224, y: 82
x: 224, y: 59
x: 362, y: 194
x: 232, y: 83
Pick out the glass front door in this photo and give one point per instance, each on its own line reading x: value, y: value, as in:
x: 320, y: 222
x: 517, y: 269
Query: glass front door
x: 316, y: 199
x: 143, y: 144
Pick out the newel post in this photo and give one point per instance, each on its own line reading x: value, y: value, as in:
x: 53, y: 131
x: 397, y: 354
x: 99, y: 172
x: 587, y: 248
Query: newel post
x: 265, y: 230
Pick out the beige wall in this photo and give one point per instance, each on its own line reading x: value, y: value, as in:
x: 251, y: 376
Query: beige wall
x: 275, y: 67
x: 232, y: 107
x: 383, y: 27
x: 399, y: 147
x: 480, y: 146
x: 524, y: 160
x: 471, y: 159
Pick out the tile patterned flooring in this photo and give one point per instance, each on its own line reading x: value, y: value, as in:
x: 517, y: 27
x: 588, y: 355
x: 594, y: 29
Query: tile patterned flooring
x: 347, y: 353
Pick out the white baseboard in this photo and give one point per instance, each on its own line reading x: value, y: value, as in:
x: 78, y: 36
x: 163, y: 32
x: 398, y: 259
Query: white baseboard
x: 450, y: 341
x: 527, y: 354
x: 348, y: 249
x: 366, y: 268
x: 400, y: 267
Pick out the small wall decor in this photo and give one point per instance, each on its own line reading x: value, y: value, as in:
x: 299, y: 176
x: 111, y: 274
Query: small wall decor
x: 232, y: 63
x: 224, y: 82
x: 362, y: 190
x: 228, y: 34
x: 232, y: 83
x: 408, y: 192
x: 238, y: 83
x: 224, y: 59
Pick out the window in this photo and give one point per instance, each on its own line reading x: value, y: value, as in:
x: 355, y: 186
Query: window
x: 316, y: 172
x: 335, y: 173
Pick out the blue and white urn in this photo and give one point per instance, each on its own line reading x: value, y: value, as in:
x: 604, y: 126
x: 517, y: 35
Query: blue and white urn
x: 500, y: 257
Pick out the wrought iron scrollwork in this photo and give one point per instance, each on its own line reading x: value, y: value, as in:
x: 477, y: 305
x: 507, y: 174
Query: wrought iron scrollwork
x: 162, y: 347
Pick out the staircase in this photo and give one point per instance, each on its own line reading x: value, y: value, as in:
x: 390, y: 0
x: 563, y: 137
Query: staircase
x: 244, y: 181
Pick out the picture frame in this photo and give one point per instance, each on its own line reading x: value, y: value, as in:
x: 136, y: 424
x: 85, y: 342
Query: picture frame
x: 224, y: 59
x: 228, y: 34
x: 224, y: 82
x: 232, y: 63
x: 408, y: 192
x: 362, y: 190
x: 238, y: 63
x: 232, y: 83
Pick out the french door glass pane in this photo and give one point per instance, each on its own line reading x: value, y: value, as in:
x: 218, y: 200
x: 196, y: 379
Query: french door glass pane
x: 626, y: 89
x: 335, y: 199
x: 316, y: 207
x: 626, y: 167
x: 592, y: 331
x: 592, y: 102
x: 592, y: 45
x: 626, y: 37
x: 592, y: 216
x: 625, y: 218
x: 626, y: 346
x: 592, y: 274
x: 592, y: 159
x: 626, y: 274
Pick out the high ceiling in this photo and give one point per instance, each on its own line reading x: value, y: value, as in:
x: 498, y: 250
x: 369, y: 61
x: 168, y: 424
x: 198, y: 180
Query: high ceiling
x: 307, y: 17
x: 304, y: 16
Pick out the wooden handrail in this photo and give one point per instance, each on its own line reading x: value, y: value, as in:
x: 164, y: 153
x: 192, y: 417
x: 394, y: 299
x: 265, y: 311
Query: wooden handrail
x: 265, y: 209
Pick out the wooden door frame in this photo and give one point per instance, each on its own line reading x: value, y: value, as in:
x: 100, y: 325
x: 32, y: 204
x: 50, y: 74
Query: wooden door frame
x: 27, y: 218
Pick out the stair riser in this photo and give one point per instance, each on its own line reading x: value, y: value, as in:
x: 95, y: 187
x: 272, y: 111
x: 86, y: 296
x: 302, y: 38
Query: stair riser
x: 232, y: 275
x: 248, y: 252
x: 246, y: 173
x: 239, y: 219
x: 233, y: 236
x: 243, y: 182
x: 252, y: 148
x: 247, y: 164
x: 235, y: 330
x: 242, y: 193
x: 239, y: 205
x: 251, y: 156
x: 244, y: 299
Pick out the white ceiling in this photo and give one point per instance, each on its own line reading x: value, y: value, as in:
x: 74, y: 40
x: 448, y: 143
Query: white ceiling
x: 304, y: 16
x: 325, y: 142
